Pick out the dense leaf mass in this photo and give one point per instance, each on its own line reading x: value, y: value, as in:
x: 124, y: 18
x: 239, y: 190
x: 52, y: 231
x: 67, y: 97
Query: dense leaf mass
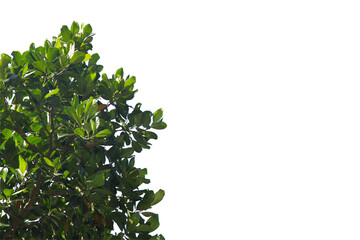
x: 67, y: 143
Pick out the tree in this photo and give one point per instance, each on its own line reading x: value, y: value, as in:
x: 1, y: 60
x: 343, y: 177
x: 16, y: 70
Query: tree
x: 67, y: 142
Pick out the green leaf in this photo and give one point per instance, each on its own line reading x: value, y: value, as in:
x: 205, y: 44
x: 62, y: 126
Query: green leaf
x: 75, y: 27
x: 4, y: 172
x: 66, y: 33
x: 40, y: 65
x: 50, y: 163
x: 93, y: 126
x: 77, y: 57
x: 7, y: 133
x: 72, y: 114
x: 25, y: 69
x: 158, y: 115
x: 159, y: 125
x: 35, y: 127
x: 34, y: 139
x: 55, y: 91
x: 137, y: 147
x: 126, y: 152
x: 158, y: 197
x: 52, y: 53
x: 145, y: 203
x: 4, y: 225
x: 87, y: 30
x: 130, y: 83
x: 22, y: 165
x: 119, y: 73
x: 87, y: 57
x: 90, y: 109
x: 99, y: 180
x: 80, y: 132
x: 103, y: 133
x: 8, y: 192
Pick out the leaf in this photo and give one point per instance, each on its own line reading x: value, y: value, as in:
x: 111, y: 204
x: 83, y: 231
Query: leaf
x: 65, y: 33
x: 34, y: 139
x: 4, y: 172
x: 35, y: 127
x: 87, y: 57
x: 145, y: 203
x: 4, y: 225
x: 158, y: 115
x: 119, y: 73
x: 159, y: 125
x: 126, y: 152
x: 93, y: 126
x: 49, y: 162
x: 99, y: 180
x: 40, y: 65
x: 80, y: 132
x: 75, y: 27
x: 130, y: 82
x: 87, y: 30
x: 137, y: 147
x: 77, y: 57
x: 55, y: 91
x: 7, y: 133
x: 8, y: 192
x: 52, y: 53
x: 90, y: 109
x: 22, y: 165
x: 72, y: 114
x: 103, y: 133
x: 158, y: 197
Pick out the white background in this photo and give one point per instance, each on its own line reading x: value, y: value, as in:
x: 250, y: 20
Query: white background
x: 261, y: 100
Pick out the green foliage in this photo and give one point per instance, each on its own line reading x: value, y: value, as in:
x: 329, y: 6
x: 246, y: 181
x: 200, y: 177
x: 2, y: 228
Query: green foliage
x: 67, y: 143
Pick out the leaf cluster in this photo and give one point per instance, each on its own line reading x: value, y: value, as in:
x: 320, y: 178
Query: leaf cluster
x: 68, y: 136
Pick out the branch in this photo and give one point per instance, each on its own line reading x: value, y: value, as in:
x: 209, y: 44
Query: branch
x: 26, y: 207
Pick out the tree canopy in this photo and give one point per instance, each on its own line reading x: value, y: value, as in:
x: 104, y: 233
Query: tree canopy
x: 68, y: 138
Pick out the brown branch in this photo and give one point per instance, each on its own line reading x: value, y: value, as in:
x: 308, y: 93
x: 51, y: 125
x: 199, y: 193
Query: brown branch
x: 26, y: 207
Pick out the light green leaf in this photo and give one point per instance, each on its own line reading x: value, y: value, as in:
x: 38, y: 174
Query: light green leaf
x: 130, y: 82
x: 22, y: 165
x: 80, y: 132
x: 90, y: 109
x: 103, y: 133
x: 34, y: 139
x: 49, y: 162
x: 87, y: 57
x: 8, y: 192
x: 93, y: 126
x: 35, y: 127
x: 55, y: 91
x: 4, y: 172
x: 7, y: 133
x: 4, y: 225
x: 158, y: 115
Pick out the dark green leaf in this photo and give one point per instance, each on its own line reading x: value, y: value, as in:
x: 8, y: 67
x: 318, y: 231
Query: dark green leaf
x: 159, y: 125
x: 158, y: 197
